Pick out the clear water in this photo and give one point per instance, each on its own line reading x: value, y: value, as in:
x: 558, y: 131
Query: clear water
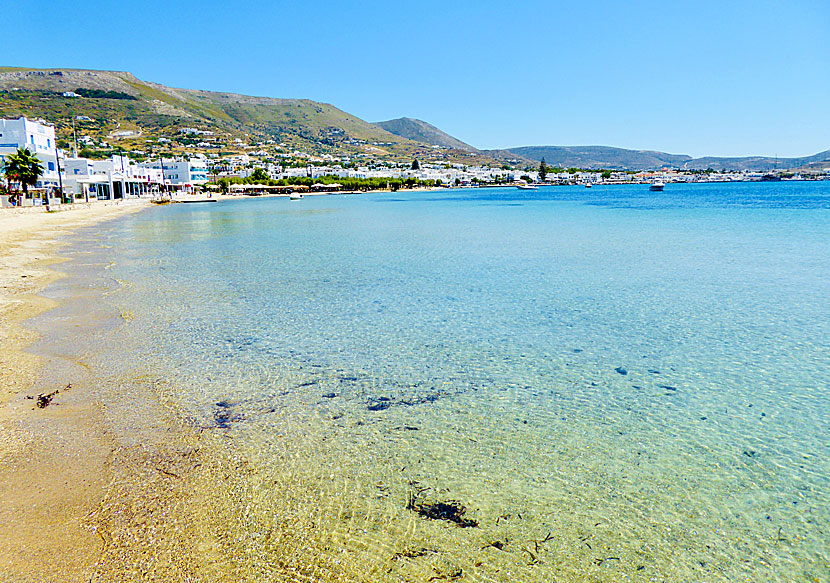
x: 616, y: 384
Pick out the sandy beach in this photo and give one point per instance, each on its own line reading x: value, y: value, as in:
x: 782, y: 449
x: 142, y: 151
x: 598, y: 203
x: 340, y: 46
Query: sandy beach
x: 71, y: 489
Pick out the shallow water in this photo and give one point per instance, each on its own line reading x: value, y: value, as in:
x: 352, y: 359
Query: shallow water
x: 615, y: 384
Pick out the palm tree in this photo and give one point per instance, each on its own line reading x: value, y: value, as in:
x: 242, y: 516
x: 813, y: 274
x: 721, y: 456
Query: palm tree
x: 23, y: 167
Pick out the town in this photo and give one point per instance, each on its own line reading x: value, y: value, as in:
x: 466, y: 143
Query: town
x: 264, y: 167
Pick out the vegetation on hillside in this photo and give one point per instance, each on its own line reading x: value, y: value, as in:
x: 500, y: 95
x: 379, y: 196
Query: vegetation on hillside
x: 146, y: 117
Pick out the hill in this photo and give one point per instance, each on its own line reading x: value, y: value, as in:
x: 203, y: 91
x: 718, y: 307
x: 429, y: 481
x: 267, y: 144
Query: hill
x: 761, y: 163
x: 119, y: 109
x: 596, y: 157
x: 421, y: 131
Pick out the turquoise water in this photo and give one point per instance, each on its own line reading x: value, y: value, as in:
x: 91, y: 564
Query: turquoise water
x: 616, y: 384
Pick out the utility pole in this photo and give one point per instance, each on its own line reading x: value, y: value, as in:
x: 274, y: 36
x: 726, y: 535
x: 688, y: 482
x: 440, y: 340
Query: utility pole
x: 74, y: 140
x: 163, y: 183
x: 58, y: 166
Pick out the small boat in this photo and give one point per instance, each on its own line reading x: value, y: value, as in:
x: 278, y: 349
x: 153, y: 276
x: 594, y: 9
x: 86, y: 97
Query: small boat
x: 588, y: 185
x: 657, y: 186
x: 294, y: 196
x: 526, y: 187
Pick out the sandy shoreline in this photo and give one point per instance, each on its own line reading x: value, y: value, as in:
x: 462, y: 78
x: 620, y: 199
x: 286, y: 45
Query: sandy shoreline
x: 79, y: 504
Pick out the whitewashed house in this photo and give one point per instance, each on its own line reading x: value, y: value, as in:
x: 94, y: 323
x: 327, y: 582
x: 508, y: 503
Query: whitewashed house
x: 182, y: 174
x: 39, y: 138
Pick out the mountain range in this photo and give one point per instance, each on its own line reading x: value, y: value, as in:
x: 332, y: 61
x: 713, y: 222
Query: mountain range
x: 114, y: 109
x: 603, y: 157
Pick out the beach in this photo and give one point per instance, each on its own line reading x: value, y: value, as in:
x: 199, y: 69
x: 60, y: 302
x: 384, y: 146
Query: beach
x: 61, y: 470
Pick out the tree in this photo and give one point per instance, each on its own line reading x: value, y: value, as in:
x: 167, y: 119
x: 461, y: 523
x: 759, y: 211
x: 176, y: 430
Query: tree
x: 543, y: 170
x: 23, y: 167
x: 259, y: 175
x: 415, y: 165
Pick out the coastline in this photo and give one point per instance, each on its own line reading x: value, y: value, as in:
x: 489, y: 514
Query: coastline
x: 79, y: 502
x: 118, y: 480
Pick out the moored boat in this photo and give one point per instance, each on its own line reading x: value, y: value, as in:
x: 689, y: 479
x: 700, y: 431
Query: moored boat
x: 657, y: 186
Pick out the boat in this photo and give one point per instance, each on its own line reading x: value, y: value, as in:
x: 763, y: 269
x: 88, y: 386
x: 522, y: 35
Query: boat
x: 526, y: 187
x: 588, y: 185
x: 294, y: 196
x: 657, y: 186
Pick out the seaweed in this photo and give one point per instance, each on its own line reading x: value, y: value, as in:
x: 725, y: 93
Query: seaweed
x: 413, y: 553
x: 224, y: 415
x: 45, y: 399
x: 451, y: 510
x: 382, y: 403
x: 496, y: 544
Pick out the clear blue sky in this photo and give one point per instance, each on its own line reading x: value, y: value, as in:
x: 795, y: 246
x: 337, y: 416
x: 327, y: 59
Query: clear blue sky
x: 726, y: 77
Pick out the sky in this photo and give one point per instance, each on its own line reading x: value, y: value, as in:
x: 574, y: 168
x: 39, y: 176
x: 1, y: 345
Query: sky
x: 724, y: 78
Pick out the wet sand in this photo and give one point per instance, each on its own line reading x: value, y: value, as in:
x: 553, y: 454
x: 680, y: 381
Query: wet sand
x: 81, y: 502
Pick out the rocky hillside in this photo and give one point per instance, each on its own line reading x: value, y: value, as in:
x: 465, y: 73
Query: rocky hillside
x: 117, y: 108
x: 421, y: 131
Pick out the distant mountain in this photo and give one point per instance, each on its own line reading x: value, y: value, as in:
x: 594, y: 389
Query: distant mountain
x: 761, y: 163
x: 129, y: 111
x: 596, y: 157
x: 421, y: 131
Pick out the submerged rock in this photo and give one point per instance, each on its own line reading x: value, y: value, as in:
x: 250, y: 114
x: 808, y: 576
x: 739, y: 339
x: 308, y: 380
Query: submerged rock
x: 379, y: 405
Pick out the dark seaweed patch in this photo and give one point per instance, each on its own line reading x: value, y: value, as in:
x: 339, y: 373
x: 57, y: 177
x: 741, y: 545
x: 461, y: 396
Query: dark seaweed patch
x: 413, y: 553
x: 451, y: 510
x: 621, y: 370
x: 225, y: 415
x: 44, y: 400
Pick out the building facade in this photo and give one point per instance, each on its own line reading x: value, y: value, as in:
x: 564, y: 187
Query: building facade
x: 39, y: 138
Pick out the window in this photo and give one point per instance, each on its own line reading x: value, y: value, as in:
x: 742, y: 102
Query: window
x: 48, y: 143
x: 51, y: 165
x: 32, y: 140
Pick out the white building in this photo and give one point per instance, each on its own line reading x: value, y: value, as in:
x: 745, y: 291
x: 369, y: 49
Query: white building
x: 182, y: 173
x: 39, y: 138
x: 115, y: 178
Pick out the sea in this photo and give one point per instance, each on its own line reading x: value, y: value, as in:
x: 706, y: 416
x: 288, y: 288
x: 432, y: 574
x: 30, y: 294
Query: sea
x: 492, y: 384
